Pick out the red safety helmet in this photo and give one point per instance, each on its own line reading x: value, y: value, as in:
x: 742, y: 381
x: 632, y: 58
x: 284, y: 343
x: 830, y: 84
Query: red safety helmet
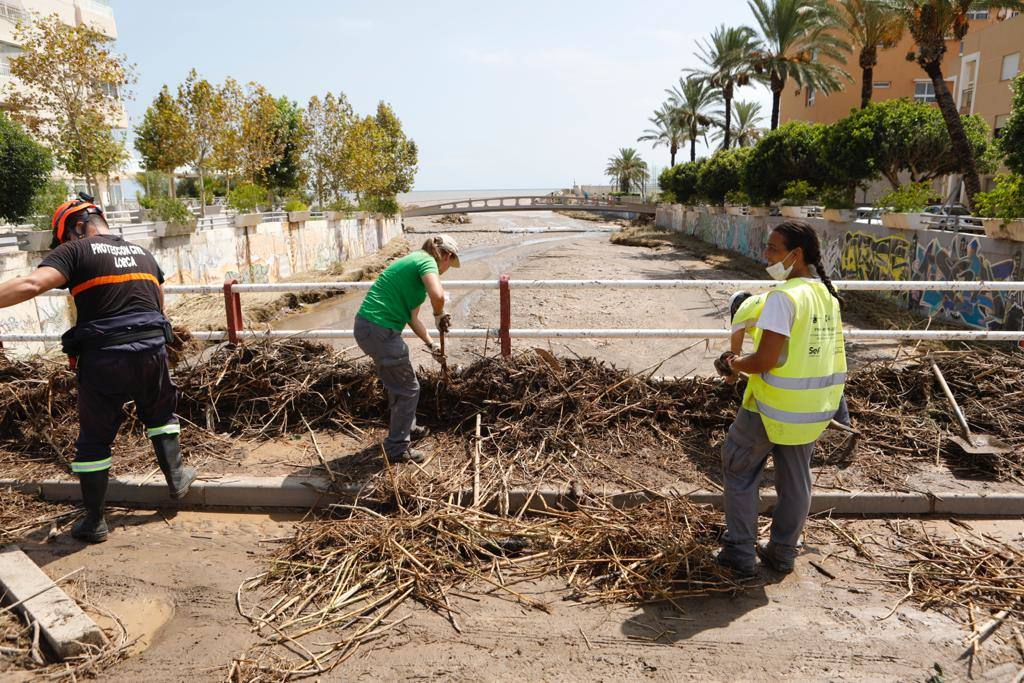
x: 81, y: 208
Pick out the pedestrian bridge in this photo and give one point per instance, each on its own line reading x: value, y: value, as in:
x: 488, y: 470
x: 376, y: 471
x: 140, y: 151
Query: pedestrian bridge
x: 542, y: 203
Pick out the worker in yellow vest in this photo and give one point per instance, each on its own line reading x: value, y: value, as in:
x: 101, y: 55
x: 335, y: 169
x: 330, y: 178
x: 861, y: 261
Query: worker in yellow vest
x: 796, y: 379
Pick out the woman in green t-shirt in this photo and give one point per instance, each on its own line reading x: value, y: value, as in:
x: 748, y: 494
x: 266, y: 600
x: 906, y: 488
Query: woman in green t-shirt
x: 393, y: 302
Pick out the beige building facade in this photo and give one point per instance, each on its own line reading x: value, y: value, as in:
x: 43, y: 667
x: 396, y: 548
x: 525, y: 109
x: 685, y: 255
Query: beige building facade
x: 894, y: 76
x: 98, y: 15
x: 989, y: 62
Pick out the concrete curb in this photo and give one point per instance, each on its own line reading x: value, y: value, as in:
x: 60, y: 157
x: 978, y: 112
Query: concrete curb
x: 305, y: 492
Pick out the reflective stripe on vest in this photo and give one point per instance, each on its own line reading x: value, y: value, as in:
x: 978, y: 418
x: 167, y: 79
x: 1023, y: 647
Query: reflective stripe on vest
x: 803, y: 382
x: 797, y: 400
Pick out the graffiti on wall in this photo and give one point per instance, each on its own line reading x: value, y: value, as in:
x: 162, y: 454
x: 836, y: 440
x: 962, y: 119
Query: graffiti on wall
x: 964, y: 260
x: 881, y: 254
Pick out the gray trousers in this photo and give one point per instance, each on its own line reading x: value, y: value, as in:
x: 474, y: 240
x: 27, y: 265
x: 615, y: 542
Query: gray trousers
x: 744, y: 454
x: 391, y: 356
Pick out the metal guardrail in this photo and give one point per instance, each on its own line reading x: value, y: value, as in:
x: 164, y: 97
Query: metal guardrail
x: 236, y: 333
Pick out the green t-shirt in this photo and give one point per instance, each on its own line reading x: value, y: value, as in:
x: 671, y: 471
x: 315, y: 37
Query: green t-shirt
x: 398, y: 290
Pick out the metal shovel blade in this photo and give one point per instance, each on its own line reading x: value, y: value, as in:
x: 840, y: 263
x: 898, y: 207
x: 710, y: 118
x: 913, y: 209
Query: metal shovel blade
x: 981, y: 444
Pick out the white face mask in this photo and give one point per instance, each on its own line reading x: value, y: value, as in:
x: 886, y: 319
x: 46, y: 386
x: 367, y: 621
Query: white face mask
x: 779, y: 271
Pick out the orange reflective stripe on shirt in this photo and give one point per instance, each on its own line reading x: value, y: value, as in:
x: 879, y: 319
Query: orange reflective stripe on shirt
x: 113, y: 280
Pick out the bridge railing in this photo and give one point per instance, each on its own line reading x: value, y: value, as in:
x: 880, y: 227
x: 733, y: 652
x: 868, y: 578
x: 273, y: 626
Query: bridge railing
x: 504, y: 333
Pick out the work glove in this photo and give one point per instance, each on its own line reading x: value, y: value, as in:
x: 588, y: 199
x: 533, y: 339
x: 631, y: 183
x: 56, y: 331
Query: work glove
x: 443, y: 321
x: 435, y: 352
x: 722, y: 365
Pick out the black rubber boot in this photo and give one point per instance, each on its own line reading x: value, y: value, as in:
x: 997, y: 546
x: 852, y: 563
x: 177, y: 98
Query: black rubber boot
x: 92, y: 528
x: 168, y: 454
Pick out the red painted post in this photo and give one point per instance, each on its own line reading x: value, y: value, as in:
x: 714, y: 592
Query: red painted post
x: 233, y: 310
x: 505, y: 303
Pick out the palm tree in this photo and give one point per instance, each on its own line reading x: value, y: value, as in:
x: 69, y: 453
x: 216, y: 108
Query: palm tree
x: 692, y: 102
x: 627, y: 168
x: 666, y: 131
x: 932, y: 23
x: 745, y: 127
x: 794, y: 34
x: 871, y: 26
x: 728, y: 61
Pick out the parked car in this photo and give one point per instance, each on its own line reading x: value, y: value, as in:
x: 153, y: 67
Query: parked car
x: 948, y: 210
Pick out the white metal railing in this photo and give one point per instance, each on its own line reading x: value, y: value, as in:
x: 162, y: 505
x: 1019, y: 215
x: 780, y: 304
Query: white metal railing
x: 578, y: 333
x: 845, y: 285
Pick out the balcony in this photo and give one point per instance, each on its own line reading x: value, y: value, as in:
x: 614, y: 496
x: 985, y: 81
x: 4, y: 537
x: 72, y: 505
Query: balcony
x: 966, y: 100
x: 97, y: 15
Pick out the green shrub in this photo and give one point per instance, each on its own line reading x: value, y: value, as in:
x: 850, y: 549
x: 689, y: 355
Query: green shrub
x: 737, y: 198
x: 681, y: 181
x: 387, y: 206
x: 837, y: 197
x: 1012, y: 141
x: 789, y: 153
x: 45, y: 202
x: 295, y: 204
x: 910, y: 198
x: 341, y: 204
x: 24, y: 169
x: 722, y: 173
x: 798, y: 193
x: 1005, y: 200
x: 170, y: 210
x: 247, y: 197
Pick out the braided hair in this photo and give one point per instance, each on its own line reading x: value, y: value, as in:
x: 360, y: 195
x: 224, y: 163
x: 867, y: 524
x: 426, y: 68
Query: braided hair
x: 799, y: 234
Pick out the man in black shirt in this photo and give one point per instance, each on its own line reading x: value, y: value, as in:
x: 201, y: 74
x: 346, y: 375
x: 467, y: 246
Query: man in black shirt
x: 117, y: 344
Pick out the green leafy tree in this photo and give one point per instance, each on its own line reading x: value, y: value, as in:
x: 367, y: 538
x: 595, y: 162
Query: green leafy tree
x: 205, y: 112
x: 722, y: 174
x: 161, y: 138
x: 795, y: 34
x: 627, y: 168
x: 692, y: 102
x: 286, y: 174
x: 789, y: 153
x: 398, y: 157
x: 327, y: 122
x: 871, y: 26
x: 67, y: 91
x: 25, y: 166
x: 932, y: 23
x: 1011, y: 142
x: 746, y: 124
x: 665, y: 133
x: 728, y: 58
x: 53, y: 193
x: 681, y: 180
x: 896, y: 139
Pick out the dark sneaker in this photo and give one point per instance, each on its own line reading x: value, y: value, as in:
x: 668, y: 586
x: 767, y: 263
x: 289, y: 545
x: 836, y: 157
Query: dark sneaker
x: 411, y: 455
x: 89, y: 530
x: 740, y: 569
x: 773, y: 556
x: 418, y: 433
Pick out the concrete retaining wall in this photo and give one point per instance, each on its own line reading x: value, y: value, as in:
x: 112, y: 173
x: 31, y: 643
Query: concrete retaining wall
x: 858, y: 251
x: 268, y: 252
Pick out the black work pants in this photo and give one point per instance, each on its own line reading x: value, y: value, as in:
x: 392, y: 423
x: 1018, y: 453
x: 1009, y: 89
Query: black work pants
x: 106, y: 381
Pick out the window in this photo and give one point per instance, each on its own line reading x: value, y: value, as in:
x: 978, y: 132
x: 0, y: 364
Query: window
x: 977, y: 14
x: 111, y: 91
x: 924, y: 91
x: 997, y: 129
x: 1011, y: 65
x: 6, y: 52
x: 881, y: 85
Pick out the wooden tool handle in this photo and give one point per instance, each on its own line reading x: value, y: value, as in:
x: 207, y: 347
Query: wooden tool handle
x: 952, y: 401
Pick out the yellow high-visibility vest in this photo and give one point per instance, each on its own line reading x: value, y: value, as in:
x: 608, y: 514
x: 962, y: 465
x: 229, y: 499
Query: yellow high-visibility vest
x: 747, y: 314
x: 797, y: 399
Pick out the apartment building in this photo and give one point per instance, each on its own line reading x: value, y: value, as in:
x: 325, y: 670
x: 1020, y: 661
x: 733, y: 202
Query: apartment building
x: 989, y: 61
x: 894, y: 75
x: 98, y: 15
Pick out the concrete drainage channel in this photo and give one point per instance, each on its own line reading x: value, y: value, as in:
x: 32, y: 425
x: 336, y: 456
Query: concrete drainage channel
x: 305, y: 492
